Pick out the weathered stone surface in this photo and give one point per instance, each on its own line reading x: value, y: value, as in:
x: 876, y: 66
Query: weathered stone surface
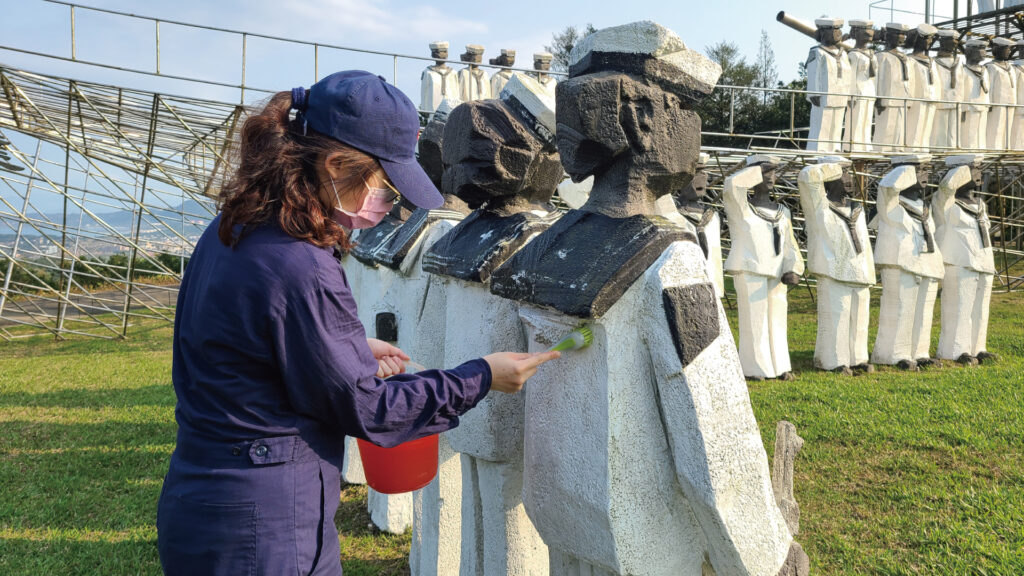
x: 787, y: 445
x: 797, y: 562
x: 692, y: 318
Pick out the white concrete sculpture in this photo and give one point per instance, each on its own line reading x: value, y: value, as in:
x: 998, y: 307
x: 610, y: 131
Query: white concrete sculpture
x: 925, y: 85
x: 977, y: 86
x: 893, y: 83
x: 764, y: 258
x: 575, y: 194
x: 950, y: 67
x: 863, y: 68
x: 828, y: 71
x: 1017, y: 134
x: 908, y: 257
x: 512, y: 206
x: 473, y: 81
x: 839, y: 255
x: 439, y: 81
x: 1002, y: 96
x: 542, y: 63
x: 642, y: 452
x: 966, y: 246
x: 501, y: 77
x: 704, y: 223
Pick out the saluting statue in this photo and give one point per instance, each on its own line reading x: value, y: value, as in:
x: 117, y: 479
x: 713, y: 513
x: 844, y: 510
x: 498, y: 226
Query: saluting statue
x: 974, y: 114
x: 950, y: 67
x: 839, y: 255
x: 864, y: 68
x: 1003, y: 76
x: 907, y: 253
x: 828, y: 71
x: 892, y: 84
x: 963, y: 233
x: 686, y: 491
x: 764, y: 259
x: 500, y: 158
x: 704, y: 223
x: 924, y: 82
x: 438, y: 81
x: 473, y: 81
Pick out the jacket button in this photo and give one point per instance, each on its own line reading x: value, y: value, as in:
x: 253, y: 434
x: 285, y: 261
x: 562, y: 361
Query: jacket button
x: 236, y: 451
x: 261, y: 451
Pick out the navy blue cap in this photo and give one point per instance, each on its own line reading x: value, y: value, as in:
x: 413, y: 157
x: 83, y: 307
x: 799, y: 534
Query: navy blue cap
x: 364, y: 111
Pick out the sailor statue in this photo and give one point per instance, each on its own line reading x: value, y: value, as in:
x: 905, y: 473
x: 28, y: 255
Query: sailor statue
x: 828, y: 72
x: 438, y: 81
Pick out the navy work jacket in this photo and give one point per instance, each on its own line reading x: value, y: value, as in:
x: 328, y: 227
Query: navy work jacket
x: 272, y: 370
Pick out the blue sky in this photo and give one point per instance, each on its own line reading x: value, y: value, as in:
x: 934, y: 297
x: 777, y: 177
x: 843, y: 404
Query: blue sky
x: 400, y: 26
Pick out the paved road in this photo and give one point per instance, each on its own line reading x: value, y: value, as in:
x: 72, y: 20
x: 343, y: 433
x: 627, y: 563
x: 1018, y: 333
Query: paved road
x: 34, y: 310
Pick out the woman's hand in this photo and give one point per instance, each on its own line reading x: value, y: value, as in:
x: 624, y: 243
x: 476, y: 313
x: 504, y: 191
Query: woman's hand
x: 510, y: 370
x: 390, y: 359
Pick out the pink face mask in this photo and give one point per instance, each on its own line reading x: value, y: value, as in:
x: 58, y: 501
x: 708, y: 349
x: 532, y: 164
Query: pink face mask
x: 376, y: 205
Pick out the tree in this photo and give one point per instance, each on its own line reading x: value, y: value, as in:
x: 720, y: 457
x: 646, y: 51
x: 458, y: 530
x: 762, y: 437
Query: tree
x: 717, y: 109
x: 562, y: 43
x: 767, y: 74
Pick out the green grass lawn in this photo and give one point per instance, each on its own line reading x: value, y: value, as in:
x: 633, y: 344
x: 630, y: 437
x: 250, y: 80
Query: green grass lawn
x: 901, y: 473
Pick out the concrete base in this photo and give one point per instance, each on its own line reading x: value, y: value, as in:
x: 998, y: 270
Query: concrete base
x: 352, y: 466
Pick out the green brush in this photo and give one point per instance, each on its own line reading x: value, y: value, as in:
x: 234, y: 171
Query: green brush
x: 579, y: 338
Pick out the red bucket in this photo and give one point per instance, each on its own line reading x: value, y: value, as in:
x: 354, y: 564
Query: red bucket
x: 404, y: 468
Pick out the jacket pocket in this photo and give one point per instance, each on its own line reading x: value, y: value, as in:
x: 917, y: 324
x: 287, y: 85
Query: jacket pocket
x: 206, y: 538
x: 310, y: 516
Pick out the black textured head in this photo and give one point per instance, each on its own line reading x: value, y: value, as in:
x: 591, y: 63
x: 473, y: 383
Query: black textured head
x: 606, y: 117
x: 829, y: 35
x: 1002, y: 51
x: 490, y: 154
x: 862, y: 35
x: 895, y: 38
x: 697, y: 189
x: 430, y: 151
x: 947, y: 44
x: 439, y: 53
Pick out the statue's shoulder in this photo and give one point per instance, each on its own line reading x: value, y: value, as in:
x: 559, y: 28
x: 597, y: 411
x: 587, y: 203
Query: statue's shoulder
x: 481, y: 242
x: 372, y: 240
x: 585, y: 262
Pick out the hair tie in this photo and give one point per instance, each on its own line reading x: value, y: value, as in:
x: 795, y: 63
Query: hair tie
x: 299, y: 99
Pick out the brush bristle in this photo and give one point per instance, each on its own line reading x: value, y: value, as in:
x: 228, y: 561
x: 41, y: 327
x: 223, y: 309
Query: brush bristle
x: 588, y: 335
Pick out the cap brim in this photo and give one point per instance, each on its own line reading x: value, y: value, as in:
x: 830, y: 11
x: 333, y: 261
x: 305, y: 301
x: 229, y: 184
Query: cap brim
x: 412, y: 182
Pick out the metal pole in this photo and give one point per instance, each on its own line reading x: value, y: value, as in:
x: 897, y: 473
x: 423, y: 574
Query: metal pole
x: 394, y: 72
x: 732, y: 110
x: 157, y: 46
x: 316, y: 62
x: 792, y: 115
x: 242, y: 100
x: 133, y: 253
x: 62, y: 305
x: 72, y: 32
x: 18, y: 233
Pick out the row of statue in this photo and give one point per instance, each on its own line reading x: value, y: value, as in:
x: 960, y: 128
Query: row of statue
x: 917, y: 102
x: 639, y: 454
x: 439, y: 81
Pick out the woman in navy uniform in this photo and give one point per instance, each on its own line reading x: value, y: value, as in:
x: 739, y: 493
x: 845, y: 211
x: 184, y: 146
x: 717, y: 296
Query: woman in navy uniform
x: 271, y: 365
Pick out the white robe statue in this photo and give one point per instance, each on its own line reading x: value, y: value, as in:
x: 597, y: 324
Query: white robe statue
x: 474, y: 84
x: 974, y: 111
x: 436, y: 84
x: 921, y: 115
x: 1003, y: 76
x: 970, y: 267
x: 894, y: 81
x: 498, y: 81
x: 945, y: 129
x: 863, y: 66
x: 910, y: 264
x: 828, y: 70
x: 706, y: 225
x: 839, y: 255
x: 1017, y: 131
x: 763, y: 249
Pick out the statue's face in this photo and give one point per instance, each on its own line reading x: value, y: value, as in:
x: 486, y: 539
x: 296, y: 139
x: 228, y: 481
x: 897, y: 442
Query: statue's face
x: 947, y: 44
x: 429, y: 155
x: 896, y: 38
x: 924, y: 42
x: 441, y: 54
x: 924, y: 174
x: 488, y: 154
x: 542, y: 65
x: 697, y: 189
x: 830, y: 36
x: 606, y: 115
x: 768, y: 174
x: 476, y: 58
x: 863, y: 35
x: 976, y: 54
x: 976, y: 177
x: 1000, y: 52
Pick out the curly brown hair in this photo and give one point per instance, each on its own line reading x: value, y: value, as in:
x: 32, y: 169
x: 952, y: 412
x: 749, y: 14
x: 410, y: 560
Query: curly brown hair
x: 278, y: 177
